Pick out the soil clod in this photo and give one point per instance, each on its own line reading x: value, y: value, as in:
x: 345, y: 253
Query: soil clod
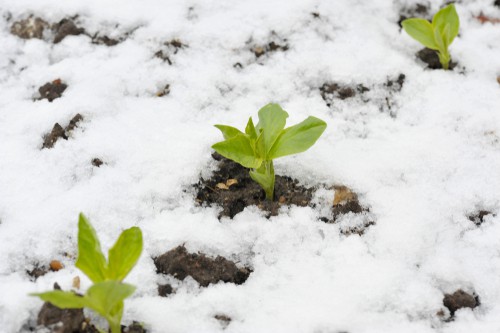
x: 135, y: 327
x: 479, y: 217
x: 32, y: 27
x: 97, y: 162
x: 165, y: 289
x: 52, y: 90
x: 38, y: 271
x: 180, y: 264
x: 232, y: 188
x: 61, y: 320
x: 59, y: 132
x: 65, y: 27
x: 459, y: 300
x: 331, y: 91
x: 431, y: 58
x: 223, y: 319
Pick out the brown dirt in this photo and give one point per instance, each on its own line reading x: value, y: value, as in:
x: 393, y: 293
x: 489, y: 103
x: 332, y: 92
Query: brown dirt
x: 97, y: 162
x: 431, y: 58
x: 478, y: 217
x: 52, y: 90
x: 223, y: 320
x: 169, y: 49
x: 32, y: 27
x: 346, y: 201
x: 459, y: 300
x: 335, y: 90
x: 165, y: 289
x: 275, y: 43
x: 180, y: 264
x: 65, y: 27
x: 37, y: 271
x: 58, y: 132
x: 61, y: 320
x: 222, y: 190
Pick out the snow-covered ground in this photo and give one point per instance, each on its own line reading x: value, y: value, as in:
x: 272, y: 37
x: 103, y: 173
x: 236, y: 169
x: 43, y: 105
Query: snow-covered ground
x: 422, y: 170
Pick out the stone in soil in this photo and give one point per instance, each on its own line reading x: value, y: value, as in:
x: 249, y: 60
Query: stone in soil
x: 32, y: 27
x: 431, y: 58
x: 459, y: 300
x: 65, y: 27
x: 478, y: 217
x: 58, y: 132
x: 244, y: 191
x: 180, y: 264
x: 52, y: 90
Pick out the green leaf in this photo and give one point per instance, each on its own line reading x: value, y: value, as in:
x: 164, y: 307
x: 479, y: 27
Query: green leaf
x: 228, y: 131
x: 250, y: 130
x: 272, y: 120
x: 439, y: 41
x: 104, y: 297
x: 91, y: 260
x: 447, y: 16
x: 62, y: 299
x: 420, y: 30
x: 124, y: 254
x: 298, y: 138
x: 238, y: 149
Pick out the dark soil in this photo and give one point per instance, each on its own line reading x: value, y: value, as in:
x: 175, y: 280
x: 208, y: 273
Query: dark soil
x: 52, y: 90
x: 232, y: 188
x: 478, y: 217
x: 459, y: 300
x: 65, y: 27
x: 331, y: 91
x: 97, y: 162
x: 58, y: 132
x: 38, y: 271
x: 275, y: 43
x: 396, y: 84
x: 32, y: 27
x: 169, y: 49
x: 497, y: 3
x: 61, y: 320
x: 180, y: 264
x: 104, y: 40
x: 165, y: 289
x: 223, y: 319
x: 431, y: 58
x: 346, y: 201
x: 135, y: 327
x: 418, y: 10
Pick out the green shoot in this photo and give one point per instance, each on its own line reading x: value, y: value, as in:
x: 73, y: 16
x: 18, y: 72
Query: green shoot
x: 261, y: 144
x: 437, y: 35
x: 107, y: 294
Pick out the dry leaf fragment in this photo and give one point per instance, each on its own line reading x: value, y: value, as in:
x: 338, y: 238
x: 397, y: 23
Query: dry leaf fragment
x: 230, y: 182
x: 76, y: 282
x: 342, y: 195
x: 222, y: 186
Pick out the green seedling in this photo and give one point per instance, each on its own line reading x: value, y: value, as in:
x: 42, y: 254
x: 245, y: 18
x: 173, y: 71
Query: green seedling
x: 108, y: 292
x: 437, y: 35
x: 259, y: 145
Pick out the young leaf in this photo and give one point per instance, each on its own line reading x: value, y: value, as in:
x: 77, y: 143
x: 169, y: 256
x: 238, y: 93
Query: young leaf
x: 447, y: 16
x: 250, y: 130
x: 298, y: 138
x: 421, y: 30
x: 103, y: 297
x: 62, y: 299
x: 272, y: 120
x: 238, y: 149
x: 91, y: 260
x: 264, y: 176
x: 228, y: 131
x: 124, y: 254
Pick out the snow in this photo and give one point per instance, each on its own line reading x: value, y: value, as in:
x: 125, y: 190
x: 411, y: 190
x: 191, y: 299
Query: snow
x: 421, y: 172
